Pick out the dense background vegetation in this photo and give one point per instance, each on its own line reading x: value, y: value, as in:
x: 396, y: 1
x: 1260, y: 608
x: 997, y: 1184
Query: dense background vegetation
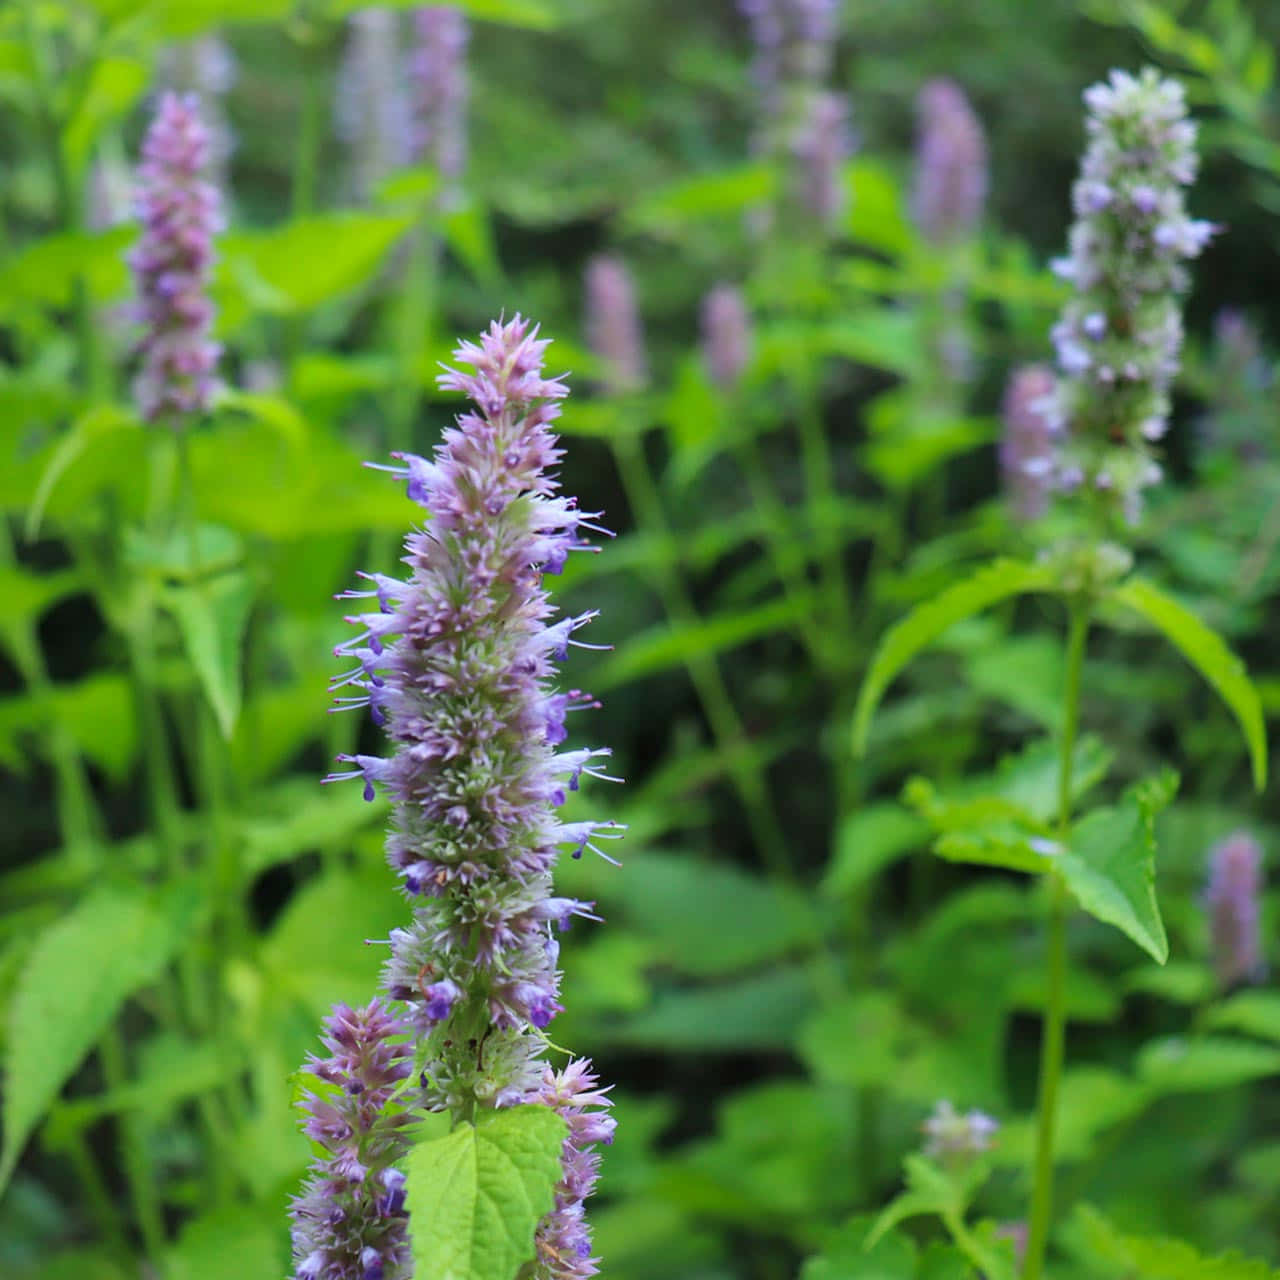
x: 788, y: 980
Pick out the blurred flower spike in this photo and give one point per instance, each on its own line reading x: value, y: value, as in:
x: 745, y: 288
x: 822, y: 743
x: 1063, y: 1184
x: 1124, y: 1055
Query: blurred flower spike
x: 180, y: 213
x: 1232, y: 900
x: 950, y: 1136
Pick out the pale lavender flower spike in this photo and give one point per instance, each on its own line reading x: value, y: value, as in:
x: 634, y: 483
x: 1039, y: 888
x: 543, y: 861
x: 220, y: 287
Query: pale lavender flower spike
x: 457, y: 661
x: 1028, y: 447
x: 614, y: 330
x: 1232, y: 900
x: 726, y: 335
x: 180, y: 214
x: 438, y: 79
x: 821, y: 146
x: 951, y: 164
x: 1120, y: 337
x: 349, y: 1223
x: 370, y: 109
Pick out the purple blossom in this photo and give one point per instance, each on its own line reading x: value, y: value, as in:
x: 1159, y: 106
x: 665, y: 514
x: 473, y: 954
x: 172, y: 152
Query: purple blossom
x: 952, y: 1136
x: 180, y: 213
x: 563, y: 1238
x: 1028, y: 448
x: 951, y: 164
x: 370, y: 109
x: 820, y: 148
x: 1119, y: 339
x: 614, y: 330
x: 726, y: 335
x: 438, y: 79
x: 349, y: 1223
x: 1231, y: 899
x: 457, y: 660
x: 205, y: 66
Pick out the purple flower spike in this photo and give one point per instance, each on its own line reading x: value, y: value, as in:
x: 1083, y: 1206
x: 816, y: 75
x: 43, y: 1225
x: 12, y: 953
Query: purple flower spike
x: 726, y: 335
x: 459, y: 658
x: 614, y: 330
x: 370, y: 110
x: 820, y: 148
x: 951, y: 164
x: 1120, y: 337
x: 438, y: 79
x: 1028, y: 451
x: 180, y: 213
x: 350, y: 1220
x: 1231, y: 899
x: 563, y: 1238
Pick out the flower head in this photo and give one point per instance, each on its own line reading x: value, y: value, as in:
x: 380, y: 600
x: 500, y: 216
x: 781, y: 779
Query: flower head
x: 1119, y: 339
x: 1028, y: 449
x: 614, y: 329
x: 457, y: 661
x: 726, y: 335
x: 180, y: 213
x: 950, y: 1135
x: 1231, y: 899
x: 438, y: 79
x: 951, y: 164
x: 349, y: 1223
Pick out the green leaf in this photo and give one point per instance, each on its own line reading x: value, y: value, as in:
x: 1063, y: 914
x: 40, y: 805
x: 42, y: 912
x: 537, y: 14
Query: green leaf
x: 860, y: 1040
x: 877, y: 216
x: 994, y: 582
x: 1109, y: 864
x: 227, y: 1244
x: 469, y: 234
x: 1203, y: 1065
x: 1209, y: 654
x: 852, y: 1255
x: 672, y: 644
x: 1256, y: 1013
x: 1153, y: 1258
x: 115, y: 84
x: 88, y: 434
x: 702, y: 197
x: 867, y: 842
x: 212, y: 617
x: 77, y: 975
x: 476, y: 1195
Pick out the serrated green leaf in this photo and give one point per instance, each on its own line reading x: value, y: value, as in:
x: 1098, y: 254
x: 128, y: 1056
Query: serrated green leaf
x: 991, y: 584
x: 212, y: 616
x: 853, y: 1255
x: 476, y: 1195
x: 1109, y: 865
x: 77, y: 975
x: 1209, y: 654
x: 1161, y: 1259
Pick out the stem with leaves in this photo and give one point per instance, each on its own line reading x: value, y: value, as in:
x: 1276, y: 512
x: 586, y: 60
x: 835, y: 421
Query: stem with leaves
x: 1054, y: 1034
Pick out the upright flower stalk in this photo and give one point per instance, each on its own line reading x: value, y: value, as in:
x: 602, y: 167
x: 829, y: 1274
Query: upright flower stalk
x: 180, y: 213
x: 1232, y: 899
x: 1119, y: 338
x: 951, y: 164
x: 456, y: 661
x: 614, y: 328
x: 1118, y: 344
x: 438, y: 89
x: 370, y: 108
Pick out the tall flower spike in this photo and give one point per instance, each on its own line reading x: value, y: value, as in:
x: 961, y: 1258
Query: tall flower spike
x: 951, y: 164
x: 820, y: 148
x: 1231, y: 899
x: 1028, y: 448
x: 349, y: 1223
x: 726, y: 335
x: 205, y: 66
x: 370, y: 110
x: 438, y: 76
x: 1119, y: 339
x: 457, y: 661
x: 614, y: 330
x: 180, y: 214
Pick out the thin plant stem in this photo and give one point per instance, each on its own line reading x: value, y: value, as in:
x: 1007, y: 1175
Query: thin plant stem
x: 1053, y: 1039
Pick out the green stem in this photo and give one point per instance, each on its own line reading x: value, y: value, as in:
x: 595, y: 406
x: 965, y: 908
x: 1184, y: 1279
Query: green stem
x: 97, y: 1196
x: 1054, y: 1035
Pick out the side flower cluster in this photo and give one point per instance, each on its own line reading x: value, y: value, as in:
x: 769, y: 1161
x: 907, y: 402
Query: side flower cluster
x: 457, y: 662
x: 1027, y: 452
x: 349, y: 1223
x: 180, y: 213
x: 1119, y: 338
x: 951, y: 164
x: 726, y: 335
x: 614, y: 329
x: 951, y: 1136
